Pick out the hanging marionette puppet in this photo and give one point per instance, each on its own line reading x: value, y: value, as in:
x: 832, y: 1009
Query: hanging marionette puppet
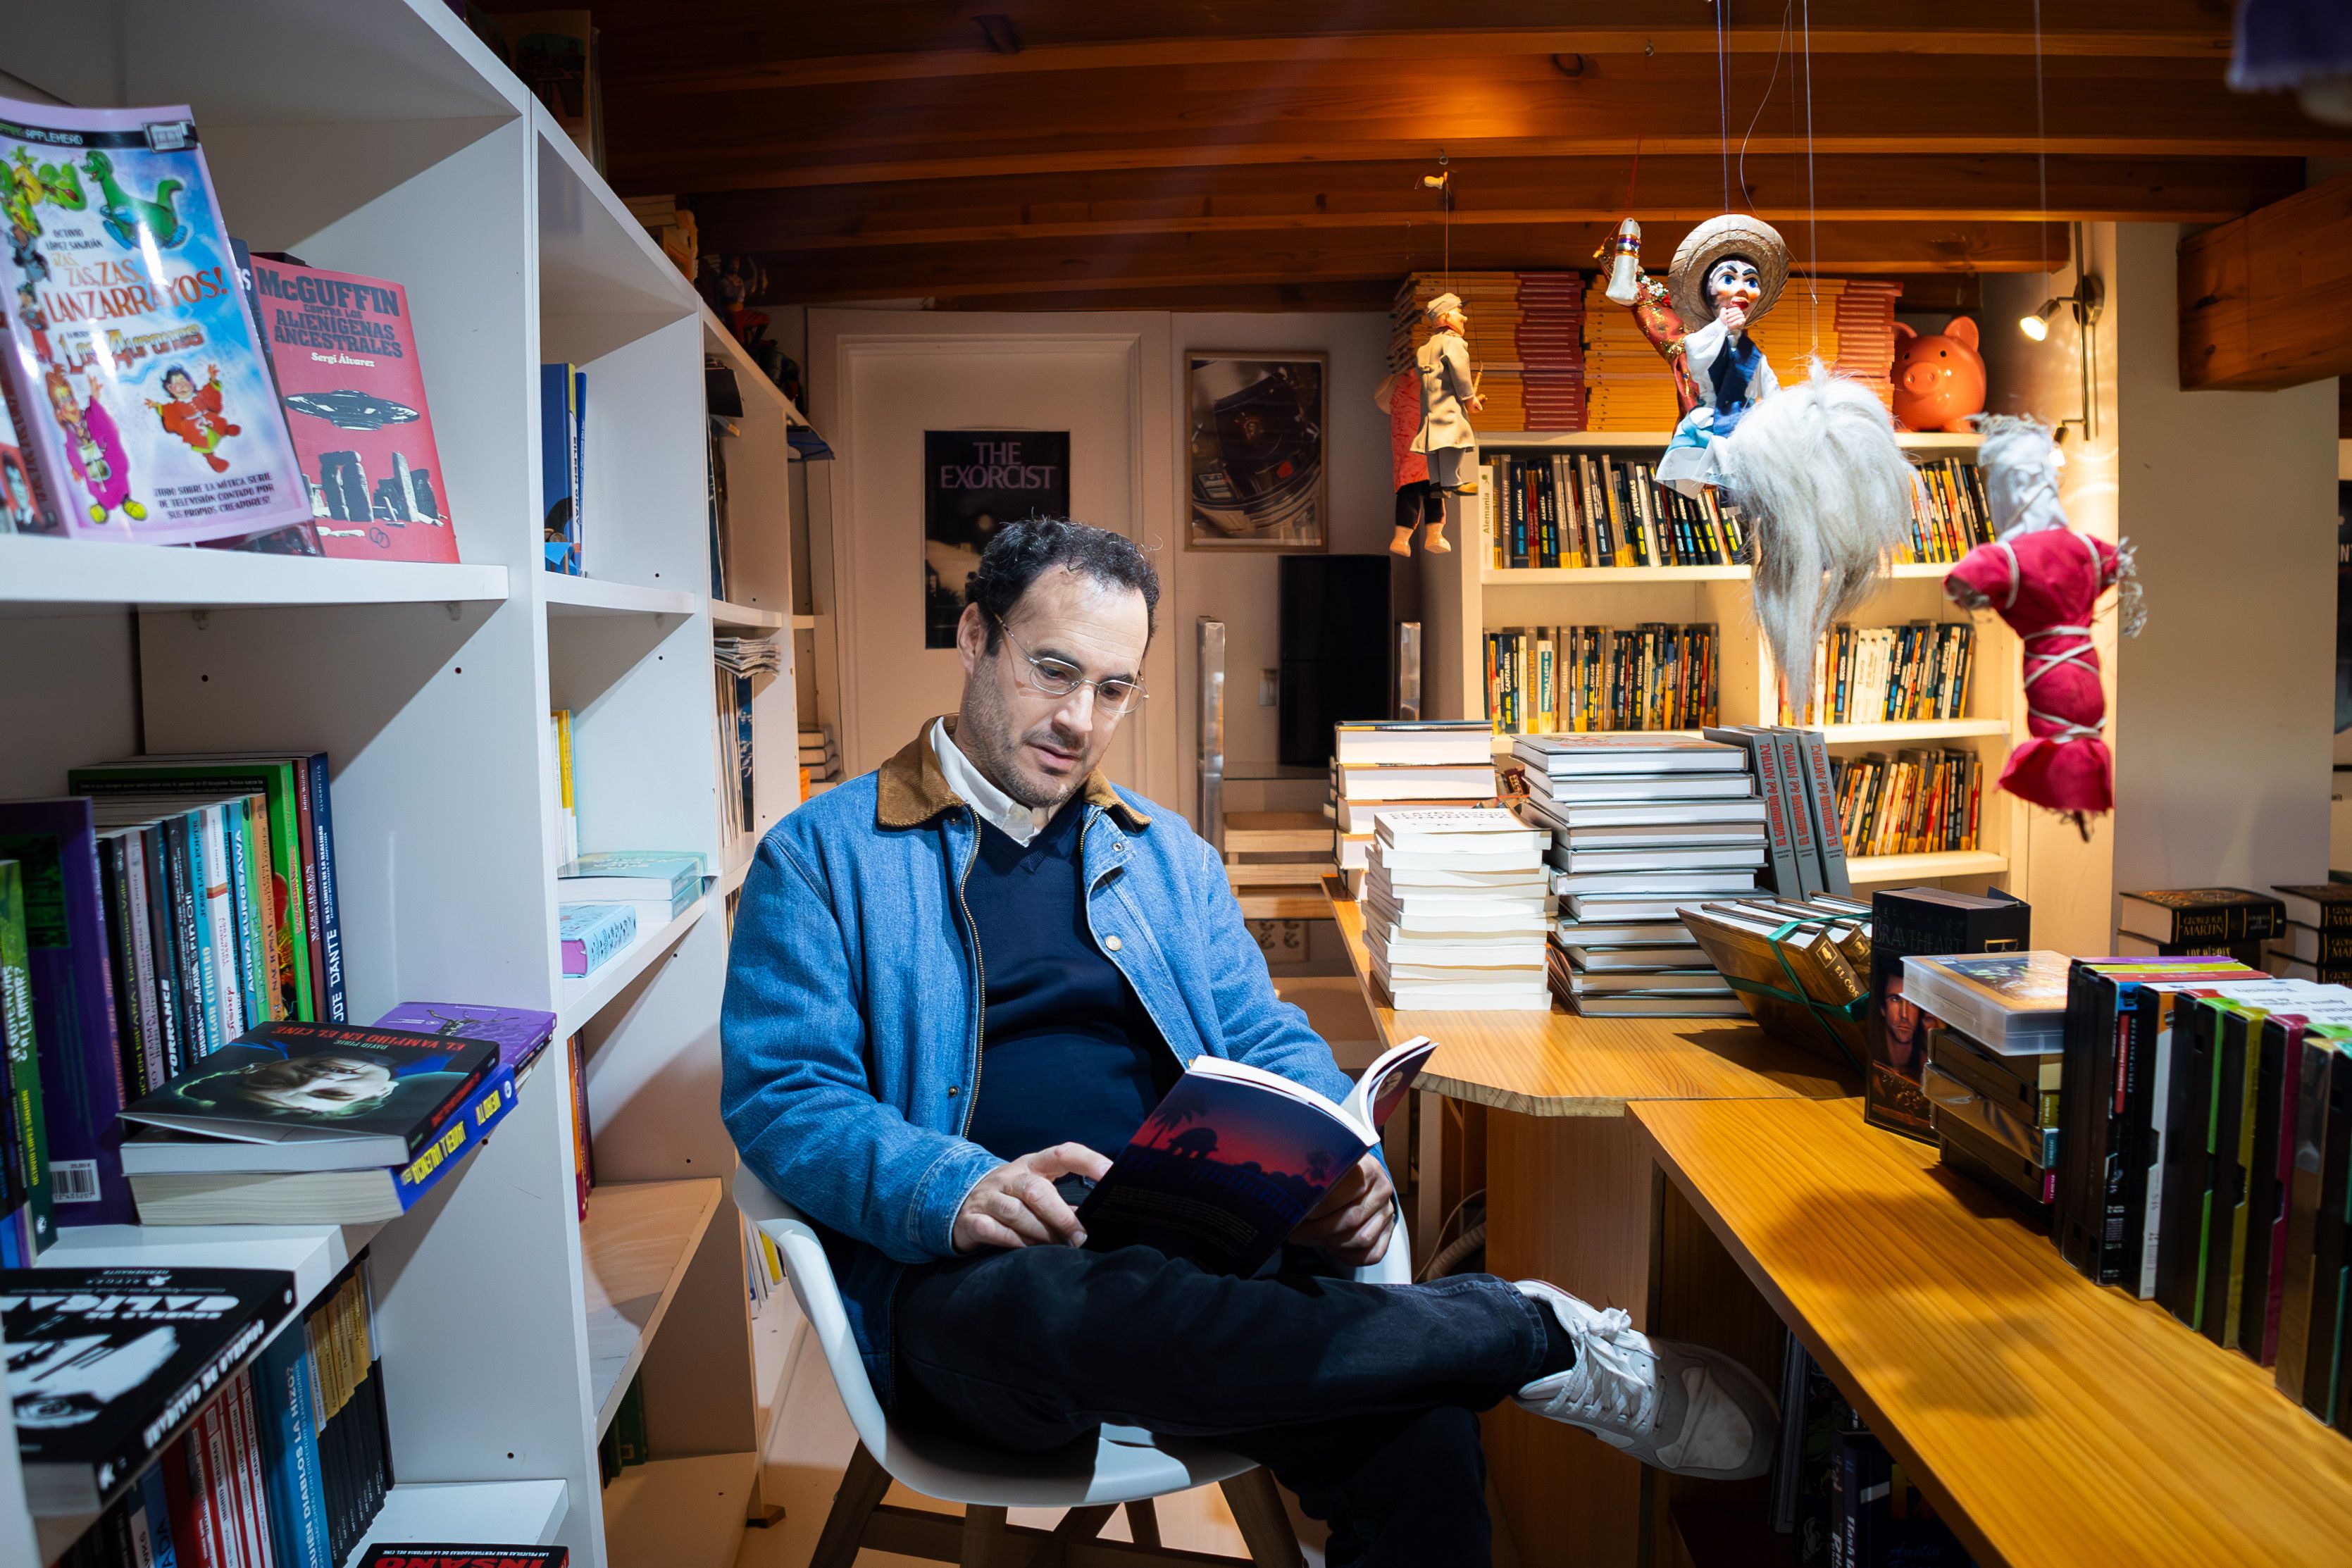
x: 1813, y: 469
x: 2044, y: 579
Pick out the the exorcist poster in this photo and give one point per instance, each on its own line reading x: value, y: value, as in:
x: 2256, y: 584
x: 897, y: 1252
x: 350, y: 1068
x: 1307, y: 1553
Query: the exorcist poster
x: 974, y: 482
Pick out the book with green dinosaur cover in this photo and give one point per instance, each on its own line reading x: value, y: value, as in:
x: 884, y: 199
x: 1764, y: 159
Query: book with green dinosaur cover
x: 140, y: 387
x: 28, y: 1139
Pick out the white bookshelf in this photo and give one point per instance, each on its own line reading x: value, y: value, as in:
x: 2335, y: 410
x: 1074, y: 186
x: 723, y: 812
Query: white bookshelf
x: 1465, y: 595
x: 379, y: 137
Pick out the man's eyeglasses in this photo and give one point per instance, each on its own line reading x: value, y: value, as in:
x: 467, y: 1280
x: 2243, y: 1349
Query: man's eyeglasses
x: 1115, y: 696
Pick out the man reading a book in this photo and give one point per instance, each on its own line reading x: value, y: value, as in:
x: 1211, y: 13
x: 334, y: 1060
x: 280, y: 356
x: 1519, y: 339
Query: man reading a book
x: 959, y: 986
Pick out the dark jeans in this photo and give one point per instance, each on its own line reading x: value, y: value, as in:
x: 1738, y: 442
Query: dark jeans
x: 1360, y: 1398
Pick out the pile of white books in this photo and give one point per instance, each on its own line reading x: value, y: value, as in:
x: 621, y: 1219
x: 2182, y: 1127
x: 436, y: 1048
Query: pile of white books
x: 818, y: 755
x: 1638, y: 823
x: 1388, y: 766
x: 1455, y: 909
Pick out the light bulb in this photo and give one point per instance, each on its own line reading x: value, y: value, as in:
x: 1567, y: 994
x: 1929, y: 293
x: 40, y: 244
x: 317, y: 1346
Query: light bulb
x: 2034, y: 327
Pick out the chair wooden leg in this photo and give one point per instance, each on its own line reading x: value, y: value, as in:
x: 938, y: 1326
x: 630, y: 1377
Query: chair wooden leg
x: 1265, y: 1528
x: 983, y: 1537
x: 1085, y: 1523
x: 1143, y: 1523
x: 862, y: 1486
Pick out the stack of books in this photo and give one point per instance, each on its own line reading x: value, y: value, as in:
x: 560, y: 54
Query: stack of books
x: 2213, y: 923
x: 1386, y: 767
x: 819, y: 758
x: 1552, y: 348
x: 1491, y: 301
x: 1992, y: 1027
x: 1454, y: 911
x: 672, y: 227
x: 2316, y: 944
x: 1639, y: 825
x: 1929, y: 922
x: 205, y: 1433
x: 1864, y: 318
x: 1811, y: 958
x: 1805, y: 836
x: 327, y: 1123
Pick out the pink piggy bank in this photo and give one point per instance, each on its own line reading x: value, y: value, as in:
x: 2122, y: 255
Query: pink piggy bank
x: 1940, y: 380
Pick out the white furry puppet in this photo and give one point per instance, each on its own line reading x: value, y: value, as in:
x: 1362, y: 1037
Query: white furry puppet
x: 1817, y: 473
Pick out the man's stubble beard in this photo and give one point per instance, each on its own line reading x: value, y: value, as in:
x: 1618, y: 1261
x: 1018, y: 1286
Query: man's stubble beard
x: 987, y: 739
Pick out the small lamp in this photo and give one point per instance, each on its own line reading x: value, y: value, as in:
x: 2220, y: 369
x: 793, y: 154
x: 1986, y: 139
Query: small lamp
x: 2086, y: 301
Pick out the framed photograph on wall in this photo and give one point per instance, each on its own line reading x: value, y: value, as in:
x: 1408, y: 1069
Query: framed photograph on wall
x: 1258, y: 476
x: 975, y: 482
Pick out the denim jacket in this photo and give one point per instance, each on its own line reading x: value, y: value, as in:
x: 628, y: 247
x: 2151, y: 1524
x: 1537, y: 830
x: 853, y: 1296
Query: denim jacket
x: 851, y: 1031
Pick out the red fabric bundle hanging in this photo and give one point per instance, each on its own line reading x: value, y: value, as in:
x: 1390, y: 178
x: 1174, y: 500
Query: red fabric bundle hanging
x: 2046, y: 585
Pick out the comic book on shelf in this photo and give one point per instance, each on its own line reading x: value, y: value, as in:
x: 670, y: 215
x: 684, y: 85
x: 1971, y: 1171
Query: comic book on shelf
x: 138, y: 382
x: 345, y: 354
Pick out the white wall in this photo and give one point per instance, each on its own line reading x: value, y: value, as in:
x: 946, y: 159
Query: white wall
x: 2221, y: 712
x: 2226, y: 704
x: 1115, y: 379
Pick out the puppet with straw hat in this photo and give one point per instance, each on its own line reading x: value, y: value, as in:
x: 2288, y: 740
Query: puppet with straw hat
x: 1814, y: 468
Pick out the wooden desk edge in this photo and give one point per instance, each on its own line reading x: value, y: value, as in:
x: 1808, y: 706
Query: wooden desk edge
x: 1394, y: 1026
x: 1881, y: 1424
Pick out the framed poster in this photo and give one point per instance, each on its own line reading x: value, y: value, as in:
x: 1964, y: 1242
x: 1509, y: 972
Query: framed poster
x: 1254, y: 458
x: 974, y: 482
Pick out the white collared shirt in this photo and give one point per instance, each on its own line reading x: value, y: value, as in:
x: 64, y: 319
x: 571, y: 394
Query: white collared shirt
x: 1017, y: 822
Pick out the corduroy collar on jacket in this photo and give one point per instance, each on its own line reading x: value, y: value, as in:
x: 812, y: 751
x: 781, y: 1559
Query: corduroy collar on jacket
x: 910, y: 790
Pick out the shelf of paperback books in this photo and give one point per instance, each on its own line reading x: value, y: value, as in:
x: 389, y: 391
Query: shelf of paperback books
x: 1619, y: 576
x: 636, y: 1245
x: 517, y: 1513
x: 428, y: 685
x: 1936, y: 441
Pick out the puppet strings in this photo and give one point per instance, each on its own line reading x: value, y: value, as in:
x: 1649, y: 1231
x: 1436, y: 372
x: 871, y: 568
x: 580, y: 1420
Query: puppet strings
x: 1813, y: 196
x: 1723, y: 102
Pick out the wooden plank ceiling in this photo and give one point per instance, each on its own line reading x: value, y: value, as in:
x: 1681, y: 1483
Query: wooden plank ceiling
x: 1051, y: 153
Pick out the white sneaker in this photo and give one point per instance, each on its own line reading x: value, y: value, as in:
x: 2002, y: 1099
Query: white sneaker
x: 1681, y: 1408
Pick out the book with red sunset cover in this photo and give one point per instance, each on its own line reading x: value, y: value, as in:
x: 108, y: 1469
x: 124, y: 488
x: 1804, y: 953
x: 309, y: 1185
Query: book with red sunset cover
x: 1234, y: 1157
x: 345, y: 354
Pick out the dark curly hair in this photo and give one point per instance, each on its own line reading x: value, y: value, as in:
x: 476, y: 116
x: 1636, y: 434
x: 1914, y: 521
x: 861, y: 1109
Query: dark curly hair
x: 1026, y: 551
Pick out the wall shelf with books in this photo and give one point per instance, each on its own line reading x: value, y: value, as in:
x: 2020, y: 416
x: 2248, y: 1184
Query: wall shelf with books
x: 1914, y: 741
x: 428, y: 687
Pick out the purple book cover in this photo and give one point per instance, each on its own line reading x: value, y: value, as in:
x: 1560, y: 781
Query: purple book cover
x: 56, y: 841
x: 518, y: 1032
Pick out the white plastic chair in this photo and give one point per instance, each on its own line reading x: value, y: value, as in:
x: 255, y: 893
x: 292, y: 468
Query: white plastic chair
x: 1123, y: 1465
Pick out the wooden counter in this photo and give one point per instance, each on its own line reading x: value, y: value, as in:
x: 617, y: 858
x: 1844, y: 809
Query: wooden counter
x: 1532, y: 1109
x: 1560, y: 1064
x: 2054, y: 1422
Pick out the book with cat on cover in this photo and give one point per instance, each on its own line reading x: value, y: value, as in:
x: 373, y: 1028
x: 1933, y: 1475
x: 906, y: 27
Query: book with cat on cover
x: 1234, y: 1157
x: 136, y: 380
x: 380, y: 1094
x: 345, y: 354
x: 105, y: 1365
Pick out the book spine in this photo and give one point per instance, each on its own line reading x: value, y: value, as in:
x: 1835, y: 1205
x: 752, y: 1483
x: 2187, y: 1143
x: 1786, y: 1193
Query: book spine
x: 251, y: 975
x: 2281, y: 1174
x: 290, y: 1453
x: 113, y: 870
x: 330, y: 930
x: 183, y: 860
x: 305, y: 849
x: 469, y: 1126
x: 155, y: 1008
x: 26, y: 1105
x: 183, y: 1489
x: 1821, y: 798
x: 251, y: 1505
x: 157, y: 1546
x: 1801, y: 828
x: 220, y: 922
x: 2114, y: 1154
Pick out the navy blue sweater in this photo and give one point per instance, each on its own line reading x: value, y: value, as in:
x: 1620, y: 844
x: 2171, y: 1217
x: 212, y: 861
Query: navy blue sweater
x: 1067, y: 1053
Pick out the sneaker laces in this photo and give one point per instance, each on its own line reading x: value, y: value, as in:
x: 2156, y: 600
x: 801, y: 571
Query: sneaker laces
x: 1608, y: 1379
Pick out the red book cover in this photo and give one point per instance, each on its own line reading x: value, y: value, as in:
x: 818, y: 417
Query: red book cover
x: 345, y: 354
x: 220, y: 1487
x: 189, y: 1543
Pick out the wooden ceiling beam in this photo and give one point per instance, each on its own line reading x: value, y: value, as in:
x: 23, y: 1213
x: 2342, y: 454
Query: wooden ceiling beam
x: 1510, y: 192
x: 2266, y: 301
x: 1042, y: 268
x: 1911, y: 36
x: 974, y: 127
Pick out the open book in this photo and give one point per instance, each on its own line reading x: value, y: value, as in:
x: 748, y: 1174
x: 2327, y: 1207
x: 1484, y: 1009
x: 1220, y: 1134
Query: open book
x: 1235, y: 1156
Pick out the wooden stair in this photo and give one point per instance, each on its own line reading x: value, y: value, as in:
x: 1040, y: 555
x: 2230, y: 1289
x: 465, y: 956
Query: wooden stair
x: 1276, y: 861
